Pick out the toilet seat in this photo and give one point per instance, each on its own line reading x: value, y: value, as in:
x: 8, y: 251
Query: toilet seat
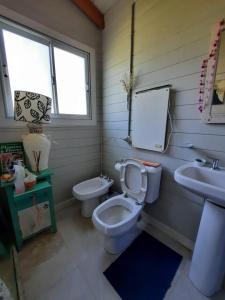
x: 132, y: 212
x: 124, y: 208
x: 140, y: 193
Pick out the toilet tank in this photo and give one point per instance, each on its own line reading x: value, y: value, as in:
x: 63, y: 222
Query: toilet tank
x: 154, y: 178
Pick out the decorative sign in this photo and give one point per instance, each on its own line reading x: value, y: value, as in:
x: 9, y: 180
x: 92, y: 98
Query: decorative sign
x: 10, y: 152
x: 210, y: 63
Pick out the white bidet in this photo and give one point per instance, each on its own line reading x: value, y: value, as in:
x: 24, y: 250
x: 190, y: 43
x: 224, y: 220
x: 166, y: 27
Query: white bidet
x: 89, y: 192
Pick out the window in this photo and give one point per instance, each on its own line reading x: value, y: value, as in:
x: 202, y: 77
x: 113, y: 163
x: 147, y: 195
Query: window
x: 36, y: 63
x: 28, y: 66
x: 70, y: 82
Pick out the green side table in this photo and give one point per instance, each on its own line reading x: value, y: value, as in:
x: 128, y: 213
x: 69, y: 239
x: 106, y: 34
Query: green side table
x: 4, y: 250
x: 40, y: 193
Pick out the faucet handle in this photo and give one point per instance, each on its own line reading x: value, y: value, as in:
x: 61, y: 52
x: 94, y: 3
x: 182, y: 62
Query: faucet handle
x: 215, y: 162
x: 106, y: 177
x: 122, y: 160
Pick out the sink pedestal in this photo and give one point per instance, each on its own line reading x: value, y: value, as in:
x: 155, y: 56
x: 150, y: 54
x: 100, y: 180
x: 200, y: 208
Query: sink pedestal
x: 208, y: 262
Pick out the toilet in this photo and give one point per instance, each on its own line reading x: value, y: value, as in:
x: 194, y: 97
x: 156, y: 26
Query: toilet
x: 117, y: 217
x: 89, y: 192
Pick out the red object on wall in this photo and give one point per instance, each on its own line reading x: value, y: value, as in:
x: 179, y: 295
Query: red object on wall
x: 92, y: 12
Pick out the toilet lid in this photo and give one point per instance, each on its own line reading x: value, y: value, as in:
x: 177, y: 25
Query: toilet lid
x: 133, y: 178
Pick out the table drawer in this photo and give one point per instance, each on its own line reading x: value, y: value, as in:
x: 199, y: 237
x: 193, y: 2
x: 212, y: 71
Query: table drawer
x: 32, y: 198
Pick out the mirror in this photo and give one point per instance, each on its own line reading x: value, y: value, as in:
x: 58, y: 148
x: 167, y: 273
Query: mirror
x: 150, y: 109
x: 214, y: 87
x: 219, y: 83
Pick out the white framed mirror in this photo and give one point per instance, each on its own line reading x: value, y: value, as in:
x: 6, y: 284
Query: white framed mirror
x: 150, y: 110
x: 212, y: 84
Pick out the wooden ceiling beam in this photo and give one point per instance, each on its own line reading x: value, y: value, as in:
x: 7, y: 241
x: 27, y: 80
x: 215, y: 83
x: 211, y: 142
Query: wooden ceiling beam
x: 91, y: 11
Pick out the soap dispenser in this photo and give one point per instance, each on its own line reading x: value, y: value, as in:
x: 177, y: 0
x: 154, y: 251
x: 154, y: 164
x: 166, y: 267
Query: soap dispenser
x: 19, y: 181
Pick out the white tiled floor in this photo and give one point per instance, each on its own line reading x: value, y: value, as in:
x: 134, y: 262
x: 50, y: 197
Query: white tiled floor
x: 69, y: 265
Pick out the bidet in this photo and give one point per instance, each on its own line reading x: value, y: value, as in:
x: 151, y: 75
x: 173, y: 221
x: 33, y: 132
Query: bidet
x: 89, y: 192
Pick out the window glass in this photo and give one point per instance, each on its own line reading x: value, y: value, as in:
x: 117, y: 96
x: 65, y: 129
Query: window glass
x: 70, y: 82
x: 28, y: 65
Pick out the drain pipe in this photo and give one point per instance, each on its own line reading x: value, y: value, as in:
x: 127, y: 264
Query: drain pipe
x: 129, y: 95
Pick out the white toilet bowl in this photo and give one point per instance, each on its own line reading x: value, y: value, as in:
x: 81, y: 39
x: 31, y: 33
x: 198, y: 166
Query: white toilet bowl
x: 89, y: 192
x: 117, y: 217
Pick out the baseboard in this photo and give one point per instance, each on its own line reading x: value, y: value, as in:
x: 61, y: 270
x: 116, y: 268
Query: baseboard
x: 150, y: 221
x: 64, y: 204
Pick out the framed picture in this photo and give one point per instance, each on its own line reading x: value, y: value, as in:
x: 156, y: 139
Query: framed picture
x: 9, y: 153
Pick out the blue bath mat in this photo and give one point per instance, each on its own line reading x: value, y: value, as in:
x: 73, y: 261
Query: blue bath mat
x: 145, y: 270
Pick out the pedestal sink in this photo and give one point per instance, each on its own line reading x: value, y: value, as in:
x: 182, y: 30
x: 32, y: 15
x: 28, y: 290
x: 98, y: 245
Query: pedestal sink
x: 208, y: 261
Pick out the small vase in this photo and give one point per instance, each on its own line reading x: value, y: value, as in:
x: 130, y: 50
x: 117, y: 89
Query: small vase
x: 37, y: 148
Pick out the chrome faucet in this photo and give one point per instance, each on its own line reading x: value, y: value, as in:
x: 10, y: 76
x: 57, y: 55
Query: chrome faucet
x: 215, y: 164
x: 122, y: 160
x: 107, y: 178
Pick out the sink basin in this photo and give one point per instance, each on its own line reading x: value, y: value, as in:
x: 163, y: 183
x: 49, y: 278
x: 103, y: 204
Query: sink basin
x: 207, y: 269
x: 203, y: 181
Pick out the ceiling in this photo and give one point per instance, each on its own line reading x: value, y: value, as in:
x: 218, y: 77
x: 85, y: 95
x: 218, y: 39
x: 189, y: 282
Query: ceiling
x: 104, y: 5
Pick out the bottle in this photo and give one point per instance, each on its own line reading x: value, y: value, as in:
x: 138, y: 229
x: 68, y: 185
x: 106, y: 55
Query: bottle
x: 19, y: 182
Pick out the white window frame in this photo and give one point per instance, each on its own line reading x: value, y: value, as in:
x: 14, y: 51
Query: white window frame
x: 85, y: 55
x: 35, y: 31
